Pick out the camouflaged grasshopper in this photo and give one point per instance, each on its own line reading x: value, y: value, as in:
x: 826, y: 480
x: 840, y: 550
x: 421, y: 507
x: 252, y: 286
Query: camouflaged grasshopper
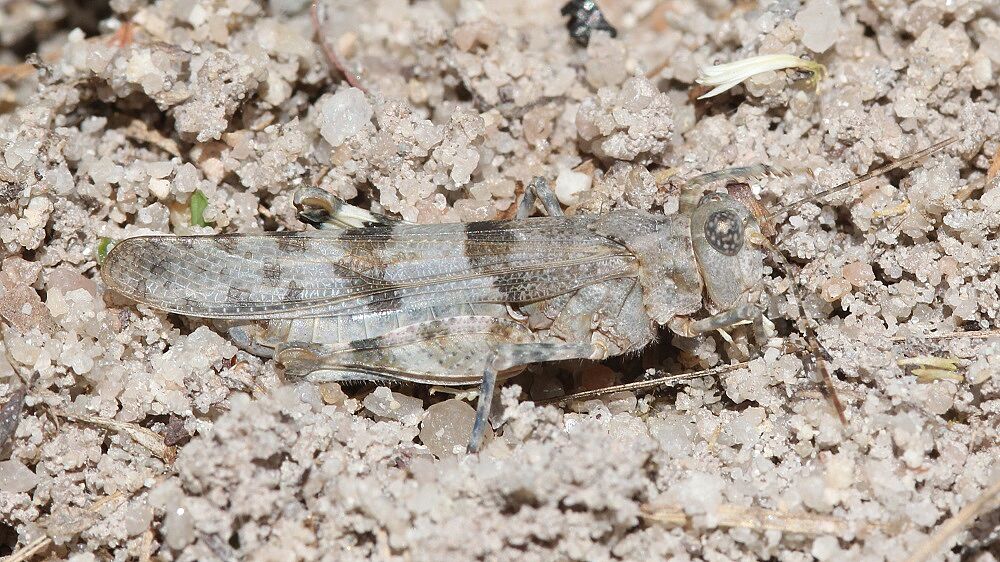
x: 369, y: 298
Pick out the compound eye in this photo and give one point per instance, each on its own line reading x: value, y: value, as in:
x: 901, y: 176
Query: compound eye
x: 724, y: 232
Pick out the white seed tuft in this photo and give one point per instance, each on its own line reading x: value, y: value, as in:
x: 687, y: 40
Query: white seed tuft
x: 726, y: 76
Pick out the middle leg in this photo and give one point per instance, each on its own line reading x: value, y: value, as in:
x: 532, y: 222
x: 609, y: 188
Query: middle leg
x: 539, y: 188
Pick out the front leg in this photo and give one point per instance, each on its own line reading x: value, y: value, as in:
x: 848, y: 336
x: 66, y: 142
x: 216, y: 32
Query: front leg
x: 743, y: 173
x: 740, y: 314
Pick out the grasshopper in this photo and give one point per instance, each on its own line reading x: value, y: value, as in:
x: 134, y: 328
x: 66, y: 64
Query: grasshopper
x: 368, y: 298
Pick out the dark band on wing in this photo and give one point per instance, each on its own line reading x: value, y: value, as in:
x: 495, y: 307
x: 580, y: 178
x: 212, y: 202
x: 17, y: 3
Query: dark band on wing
x: 501, y: 238
x: 368, y: 257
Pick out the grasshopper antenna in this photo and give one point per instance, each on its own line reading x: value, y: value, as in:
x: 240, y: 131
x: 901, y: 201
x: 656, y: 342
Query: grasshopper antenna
x: 10, y: 412
x: 860, y: 179
x: 645, y: 384
x: 811, y: 361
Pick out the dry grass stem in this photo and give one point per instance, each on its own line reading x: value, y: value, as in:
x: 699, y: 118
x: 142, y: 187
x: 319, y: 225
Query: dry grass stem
x: 756, y: 518
x: 947, y: 530
x: 330, y: 52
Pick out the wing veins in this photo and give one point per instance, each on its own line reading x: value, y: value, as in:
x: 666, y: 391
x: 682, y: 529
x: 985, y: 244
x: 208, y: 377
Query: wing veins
x: 429, y: 283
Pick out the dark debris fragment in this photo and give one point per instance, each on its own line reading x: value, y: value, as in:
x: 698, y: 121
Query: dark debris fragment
x: 175, y: 433
x: 585, y: 17
x: 10, y: 415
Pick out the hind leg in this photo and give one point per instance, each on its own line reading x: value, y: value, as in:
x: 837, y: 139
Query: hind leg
x: 458, y: 351
x: 513, y: 355
x: 324, y: 211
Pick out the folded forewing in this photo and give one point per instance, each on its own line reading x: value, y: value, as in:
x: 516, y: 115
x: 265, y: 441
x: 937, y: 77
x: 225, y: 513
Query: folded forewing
x: 381, y: 268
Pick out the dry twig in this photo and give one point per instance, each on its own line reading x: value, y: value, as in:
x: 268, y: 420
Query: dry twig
x: 16, y: 72
x: 994, y: 169
x: 955, y: 524
x: 140, y: 131
x: 756, y: 518
x: 146, y: 550
x: 148, y: 439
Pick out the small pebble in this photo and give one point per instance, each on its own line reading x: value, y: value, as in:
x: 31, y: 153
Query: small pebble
x: 343, y: 115
x: 700, y: 493
x: 178, y: 528
x: 394, y: 406
x: 859, y: 274
x: 826, y: 548
x: 138, y: 517
x: 331, y: 393
x: 68, y: 279
x: 834, y: 289
x: 21, y: 306
x: 621, y: 402
x: 447, y: 426
x: 820, y: 22
x: 159, y: 188
x: 570, y: 185
x: 16, y: 478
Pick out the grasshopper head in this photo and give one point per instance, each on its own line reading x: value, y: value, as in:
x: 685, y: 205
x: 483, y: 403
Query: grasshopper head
x: 722, y: 231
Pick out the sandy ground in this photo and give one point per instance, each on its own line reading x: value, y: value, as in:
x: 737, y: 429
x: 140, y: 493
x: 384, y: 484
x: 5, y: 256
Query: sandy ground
x: 151, y: 437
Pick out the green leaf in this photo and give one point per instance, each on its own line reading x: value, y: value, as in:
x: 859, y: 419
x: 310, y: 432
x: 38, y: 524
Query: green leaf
x: 198, y: 205
x: 103, y: 247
